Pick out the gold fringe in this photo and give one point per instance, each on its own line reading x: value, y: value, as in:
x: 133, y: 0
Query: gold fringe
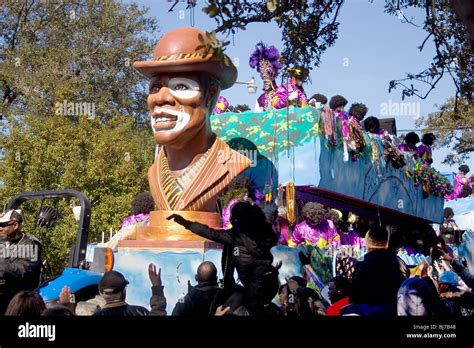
x: 290, y: 203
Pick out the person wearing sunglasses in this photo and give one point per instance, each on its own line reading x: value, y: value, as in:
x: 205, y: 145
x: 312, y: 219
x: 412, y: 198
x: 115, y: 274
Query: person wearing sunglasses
x: 20, y: 258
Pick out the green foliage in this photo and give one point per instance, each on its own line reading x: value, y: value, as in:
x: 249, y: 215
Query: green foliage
x: 308, y: 27
x: 107, y: 161
x: 215, y: 45
x: 453, y: 126
x: 239, y: 108
x: 453, y: 52
x: 80, y: 51
x: 56, y: 56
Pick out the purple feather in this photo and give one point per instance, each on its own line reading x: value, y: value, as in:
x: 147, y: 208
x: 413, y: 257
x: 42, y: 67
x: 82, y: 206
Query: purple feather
x: 263, y: 52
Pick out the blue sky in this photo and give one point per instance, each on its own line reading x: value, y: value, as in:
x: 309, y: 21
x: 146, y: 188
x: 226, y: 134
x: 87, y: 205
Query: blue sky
x: 372, y: 49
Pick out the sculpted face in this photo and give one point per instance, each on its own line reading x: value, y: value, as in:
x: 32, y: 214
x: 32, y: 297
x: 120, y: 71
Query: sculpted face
x: 267, y: 85
x: 179, y: 107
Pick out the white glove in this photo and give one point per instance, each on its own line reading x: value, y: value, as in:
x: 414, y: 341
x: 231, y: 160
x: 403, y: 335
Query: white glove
x: 293, y: 96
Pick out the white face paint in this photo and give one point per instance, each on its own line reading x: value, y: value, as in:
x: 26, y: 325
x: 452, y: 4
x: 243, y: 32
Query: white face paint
x: 183, y: 88
x: 169, y: 120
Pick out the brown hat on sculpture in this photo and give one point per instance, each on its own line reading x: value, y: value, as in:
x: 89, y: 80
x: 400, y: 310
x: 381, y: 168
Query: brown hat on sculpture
x: 176, y: 52
x: 193, y: 166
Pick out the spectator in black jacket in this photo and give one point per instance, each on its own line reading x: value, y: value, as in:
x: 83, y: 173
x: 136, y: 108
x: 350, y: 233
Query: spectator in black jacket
x: 250, y: 240
x: 199, y: 298
x: 377, y: 278
x: 20, y: 258
x: 112, y: 288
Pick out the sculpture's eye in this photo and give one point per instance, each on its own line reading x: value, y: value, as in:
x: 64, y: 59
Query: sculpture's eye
x: 154, y: 88
x: 181, y: 87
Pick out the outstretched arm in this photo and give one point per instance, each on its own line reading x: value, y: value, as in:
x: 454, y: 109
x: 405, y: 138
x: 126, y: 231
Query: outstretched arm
x: 219, y: 236
x: 158, y: 299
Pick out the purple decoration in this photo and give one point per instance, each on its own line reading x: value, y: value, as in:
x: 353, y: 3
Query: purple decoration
x: 263, y: 52
x: 226, y: 213
x: 424, y: 154
x: 405, y: 148
x: 351, y: 238
x: 304, y: 232
x: 283, y: 93
x: 459, y: 181
x: 134, y: 219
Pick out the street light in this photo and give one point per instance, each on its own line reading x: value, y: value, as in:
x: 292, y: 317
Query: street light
x: 251, y: 86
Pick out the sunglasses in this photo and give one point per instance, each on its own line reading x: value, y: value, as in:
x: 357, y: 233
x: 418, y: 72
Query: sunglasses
x: 5, y: 224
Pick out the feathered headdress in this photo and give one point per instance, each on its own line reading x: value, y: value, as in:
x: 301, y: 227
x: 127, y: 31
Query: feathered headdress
x: 266, y: 60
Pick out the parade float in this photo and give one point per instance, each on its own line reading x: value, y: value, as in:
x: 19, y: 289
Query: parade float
x: 300, y: 155
x: 297, y: 153
x: 293, y: 155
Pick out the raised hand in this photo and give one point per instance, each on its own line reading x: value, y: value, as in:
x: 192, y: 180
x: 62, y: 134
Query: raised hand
x: 155, y: 278
x: 177, y: 218
x: 65, y: 296
x: 220, y: 311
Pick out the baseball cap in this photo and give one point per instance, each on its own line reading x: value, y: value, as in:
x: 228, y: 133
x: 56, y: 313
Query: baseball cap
x: 113, y: 280
x: 449, y: 278
x: 12, y: 215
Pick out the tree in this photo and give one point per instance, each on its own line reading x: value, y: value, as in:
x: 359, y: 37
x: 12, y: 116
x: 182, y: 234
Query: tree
x: 74, y: 109
x: 308, y: 27
x: 239, y: 108
x: 106, y: 161
x: 448, y: 23
x: 452, y: 128
x: 80, y: 51
x: 453, y: 52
